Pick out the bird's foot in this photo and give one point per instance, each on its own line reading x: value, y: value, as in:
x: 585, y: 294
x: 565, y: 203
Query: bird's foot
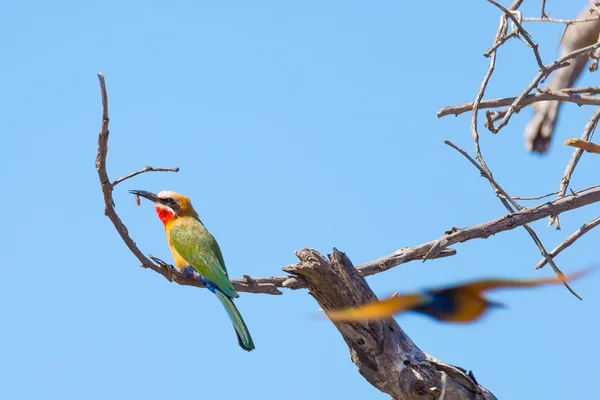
x: 191, y: 273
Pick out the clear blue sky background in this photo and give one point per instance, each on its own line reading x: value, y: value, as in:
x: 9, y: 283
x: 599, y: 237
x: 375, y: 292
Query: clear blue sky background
x: 294, y: 126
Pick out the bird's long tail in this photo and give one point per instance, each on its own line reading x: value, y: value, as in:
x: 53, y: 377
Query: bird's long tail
x: 243, y: 335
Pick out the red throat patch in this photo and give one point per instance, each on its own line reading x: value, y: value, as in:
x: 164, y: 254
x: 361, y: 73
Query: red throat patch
x: 164, y: 214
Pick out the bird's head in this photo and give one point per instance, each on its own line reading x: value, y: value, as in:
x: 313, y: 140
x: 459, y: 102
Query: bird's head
x: 168, y: 205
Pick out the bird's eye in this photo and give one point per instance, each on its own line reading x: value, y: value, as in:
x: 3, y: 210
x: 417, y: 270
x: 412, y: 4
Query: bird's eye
x: 171, y: 202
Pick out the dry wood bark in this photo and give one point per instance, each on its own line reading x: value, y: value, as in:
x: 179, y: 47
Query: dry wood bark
x: 384, y: 354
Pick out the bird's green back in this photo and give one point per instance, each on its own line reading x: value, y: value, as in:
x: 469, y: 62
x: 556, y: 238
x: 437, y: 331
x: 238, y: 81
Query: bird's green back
x: 198, y: 247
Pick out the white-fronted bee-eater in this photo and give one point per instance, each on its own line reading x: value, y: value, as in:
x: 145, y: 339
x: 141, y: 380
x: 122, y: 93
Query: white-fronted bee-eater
x: 192, y: 246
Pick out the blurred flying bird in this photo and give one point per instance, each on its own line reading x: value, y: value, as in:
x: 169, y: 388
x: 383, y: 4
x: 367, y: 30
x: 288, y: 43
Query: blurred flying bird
x: 461, y: 303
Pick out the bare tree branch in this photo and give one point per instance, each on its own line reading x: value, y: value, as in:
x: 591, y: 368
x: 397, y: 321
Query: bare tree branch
x: 588, y: 90
x: 141, y: 171
x: 536, y: 197
x: 504, y: 197
x: 383, y: 353
x: 561, y: 21
x: 481, y: 231
x: 543, y: 13
x: 264, y: 285
x: 529, y: 230
x: 542, y: 74
x: 564, y: 95
x: 588, y: 131
x: 270, y: 285
x: 523, y: 216
x: 522, y: 32
x: 515, y: 104
x: 579, y: 33
x: 580, y: 41
x: 570, y: 240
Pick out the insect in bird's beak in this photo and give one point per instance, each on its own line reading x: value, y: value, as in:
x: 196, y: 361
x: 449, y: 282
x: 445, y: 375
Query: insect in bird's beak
x: 147, y: 195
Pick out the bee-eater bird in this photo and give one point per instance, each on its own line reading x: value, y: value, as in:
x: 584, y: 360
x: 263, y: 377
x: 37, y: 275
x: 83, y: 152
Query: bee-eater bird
x: 461, y: 303
x: 192, y: 246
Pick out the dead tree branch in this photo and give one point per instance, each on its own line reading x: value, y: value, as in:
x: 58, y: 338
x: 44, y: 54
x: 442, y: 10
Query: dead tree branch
x: 587, y: 134
x: 384, y: 354
x: 542, y: 74
x: 580, y: 41
x: 579, y: 33
x: 504, y: 197
x: 570, y: 240
x: 263, y: 285
x: 505, y: 201
x: 271, y: 285
x: 563, y: 95
x: 141, y: 171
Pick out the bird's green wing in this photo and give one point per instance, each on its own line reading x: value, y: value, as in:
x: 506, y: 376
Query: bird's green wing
x: 198, y: 247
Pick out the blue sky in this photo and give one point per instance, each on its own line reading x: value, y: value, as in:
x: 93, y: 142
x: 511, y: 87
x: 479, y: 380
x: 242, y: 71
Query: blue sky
x: 294, y: 126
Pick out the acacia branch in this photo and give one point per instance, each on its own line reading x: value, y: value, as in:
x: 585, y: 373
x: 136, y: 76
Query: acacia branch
x: 588, y: 131
x: 271, y: 285
x: 263, y: 285
x: 504, y: 197
x: 567, y: 95
x: 516, y: 103
x: 141, y: 171
x: 509, y: 203
x: 505, y: 201
x: 560, y: 21
x: 522, y: 32
x: 572, y: 238
x: 535, y: 197
x: 384, y: 354
x: 542, y: 74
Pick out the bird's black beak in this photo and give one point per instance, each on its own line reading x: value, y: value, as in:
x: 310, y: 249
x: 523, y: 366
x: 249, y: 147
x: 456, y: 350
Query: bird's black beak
x: 147, y: 195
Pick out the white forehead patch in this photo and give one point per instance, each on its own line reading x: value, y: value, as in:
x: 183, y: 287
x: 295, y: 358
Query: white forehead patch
x: 165, y: 194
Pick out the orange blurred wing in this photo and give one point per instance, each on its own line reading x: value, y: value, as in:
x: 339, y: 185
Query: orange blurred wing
x: 489, y: 284
x: 377, y: 310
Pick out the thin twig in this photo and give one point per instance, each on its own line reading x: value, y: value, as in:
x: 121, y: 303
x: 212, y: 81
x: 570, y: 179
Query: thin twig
x: 543, y: 13
x: 523, y: 32
x: 588, y: 90
x: 527, y: 100
x: 499, y: 43
x: 570, y: 240
x: 141, y: 171
x: 269, y: 285
x: 560, y: 21
x: 504, y: 197
x: 500, y: 33
x: 529, y: 230
x: 502, y: 26
x: 587, y: 134
x: 481, y: 231
x: 542, y: 74
x: 484, y: 230
x: 262, y: 286
x: 493, y: 116
x: 535, y: 198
